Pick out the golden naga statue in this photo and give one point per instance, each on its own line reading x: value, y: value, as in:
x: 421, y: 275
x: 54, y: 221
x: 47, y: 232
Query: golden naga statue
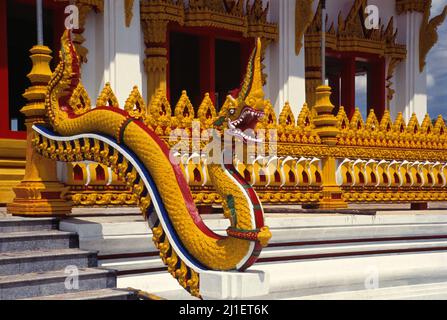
x: 113, y: 137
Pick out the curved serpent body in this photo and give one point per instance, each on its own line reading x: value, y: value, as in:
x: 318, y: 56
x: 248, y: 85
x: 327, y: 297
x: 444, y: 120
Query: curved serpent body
x: 112, y: 137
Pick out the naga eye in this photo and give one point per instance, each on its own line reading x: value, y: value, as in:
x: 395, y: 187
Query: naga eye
x: 232, y: 111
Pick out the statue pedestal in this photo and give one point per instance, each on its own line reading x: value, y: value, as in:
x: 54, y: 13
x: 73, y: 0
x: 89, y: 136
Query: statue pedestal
x: 234, y: 285
x: 39, y: 193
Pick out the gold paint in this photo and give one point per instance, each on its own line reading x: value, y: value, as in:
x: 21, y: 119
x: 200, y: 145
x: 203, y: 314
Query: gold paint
x: 80, y: 101
x: 107, y: 97
x: 255, y: 97
x: 128, y: 11
x: 135, y: 105
x: 12, y: 167
x: 184, y: 113
x: 303, y: 18
x: 326, y: 127
x: 403, y: 6
x: 40, y: 192
x: 207, y: 113
x: 429, y: 33
x: 156, y: 65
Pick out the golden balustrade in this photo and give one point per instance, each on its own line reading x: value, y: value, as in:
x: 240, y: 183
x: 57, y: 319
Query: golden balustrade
x: 316, y: 159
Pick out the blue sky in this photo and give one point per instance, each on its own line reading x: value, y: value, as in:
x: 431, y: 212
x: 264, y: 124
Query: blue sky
x: 437, y: 69
x: 436, y: 73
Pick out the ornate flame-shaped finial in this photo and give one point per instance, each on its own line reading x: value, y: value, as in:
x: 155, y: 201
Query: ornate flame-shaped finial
x: 252, y: 93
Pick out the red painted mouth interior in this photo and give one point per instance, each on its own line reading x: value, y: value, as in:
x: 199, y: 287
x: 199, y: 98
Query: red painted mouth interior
x: 248, y: 119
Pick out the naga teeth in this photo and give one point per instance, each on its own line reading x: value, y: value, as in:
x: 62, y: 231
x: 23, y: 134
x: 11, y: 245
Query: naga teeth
x: 239, y: 133
x: 244, y: 115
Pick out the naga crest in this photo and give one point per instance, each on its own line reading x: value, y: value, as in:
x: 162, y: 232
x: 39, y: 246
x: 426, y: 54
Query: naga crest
x: 244, y: 107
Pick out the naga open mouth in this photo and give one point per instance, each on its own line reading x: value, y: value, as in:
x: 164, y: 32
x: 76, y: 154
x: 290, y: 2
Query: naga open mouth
x: 244, y: 126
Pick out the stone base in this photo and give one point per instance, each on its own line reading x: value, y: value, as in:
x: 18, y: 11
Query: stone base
x: 234, y: 285
x: 332, y: 199
x: 332, y: 205
x: 37, y: 199
x: 11, y: 174
x: 12, y: 167
x: 6, y: 193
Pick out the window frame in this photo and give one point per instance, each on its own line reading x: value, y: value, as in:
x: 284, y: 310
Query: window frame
x: 376, y: 81
x: 207, y: 38
x: 5, y: 131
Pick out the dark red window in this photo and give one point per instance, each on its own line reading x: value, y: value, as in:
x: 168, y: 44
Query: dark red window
x: 206, y: 60
x: 17, y: 36
x: 100, y: 173
x: 342, y: 68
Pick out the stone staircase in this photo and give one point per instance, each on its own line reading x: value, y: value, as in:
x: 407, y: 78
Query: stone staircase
x: 37, y: 261
x: 311, y: 256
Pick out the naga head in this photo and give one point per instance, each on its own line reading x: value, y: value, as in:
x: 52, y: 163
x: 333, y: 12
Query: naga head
x: 244, y: 107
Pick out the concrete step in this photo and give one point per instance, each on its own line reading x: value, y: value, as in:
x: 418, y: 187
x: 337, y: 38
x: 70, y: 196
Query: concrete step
x: 55, y: 282
x: 335, y: 232
x: 21, y: 262
x: 413, y: 276
x: 161, y: 284
x: 431, y: 291
x: 10, y: 225
x: 37, y: 240
x: 102, y: 294
x: 351, y: 249
x: 135, y: 265
x: 313, y: 277
x: 112, y: 235
x: 320, y: 249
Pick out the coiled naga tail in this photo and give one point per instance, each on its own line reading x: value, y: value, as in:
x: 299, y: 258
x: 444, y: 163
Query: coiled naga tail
x: 111, y: 136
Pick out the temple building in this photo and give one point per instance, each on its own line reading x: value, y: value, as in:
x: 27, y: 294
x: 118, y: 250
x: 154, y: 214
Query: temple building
x: 342, y: 193
x: 202, y: 47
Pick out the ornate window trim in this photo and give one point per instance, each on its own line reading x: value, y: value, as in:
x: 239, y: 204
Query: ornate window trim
x: 403, y: 6
x: 350, y: 36
x: 303, y: 18
x: 222, y: 14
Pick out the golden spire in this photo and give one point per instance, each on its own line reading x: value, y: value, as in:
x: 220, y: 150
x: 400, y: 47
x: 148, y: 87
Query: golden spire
x: 252, y: 93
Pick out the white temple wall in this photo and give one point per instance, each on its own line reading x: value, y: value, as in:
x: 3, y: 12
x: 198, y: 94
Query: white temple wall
x: 93, y: 70
x: 116, y: 52
x: 286, y: 70
x: 410, y: 83
x: 116, y: 55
